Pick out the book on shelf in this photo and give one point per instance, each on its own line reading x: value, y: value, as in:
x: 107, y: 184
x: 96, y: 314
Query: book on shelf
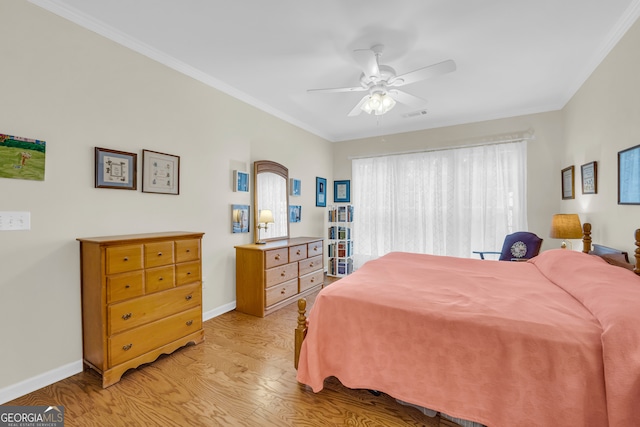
x: 339, y: 233
x: 340, y: 266
x: 341, y: 249
x: 341, y: 214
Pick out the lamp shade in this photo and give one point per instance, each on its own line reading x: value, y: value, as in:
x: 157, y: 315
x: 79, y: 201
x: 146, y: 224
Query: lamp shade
x: 266, y: 216
x: 566, y: 226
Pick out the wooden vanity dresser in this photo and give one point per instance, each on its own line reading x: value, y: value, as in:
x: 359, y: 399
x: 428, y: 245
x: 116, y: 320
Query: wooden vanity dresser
x: 141, y: 297
x: 272, y: 275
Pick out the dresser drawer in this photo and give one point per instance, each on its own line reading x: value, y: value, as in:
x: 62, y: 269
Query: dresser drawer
x: 276, y: 257
x: 188, y: 272
x: 125, y: 286
x: 158, y: 253
x: 187, y: 250
x: 159, y: 279
x: 311, y: 280
x: 296, y: 253
x: 123, y: 258
x: 281, y: 274
x: 310, y: 264
x: 282, y: 291
x: 138, y: 311
x: 133, y: 343
x: 314, y: 248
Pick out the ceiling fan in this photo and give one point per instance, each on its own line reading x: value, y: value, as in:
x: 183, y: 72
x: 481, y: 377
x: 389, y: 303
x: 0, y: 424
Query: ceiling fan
x: 381, y: 82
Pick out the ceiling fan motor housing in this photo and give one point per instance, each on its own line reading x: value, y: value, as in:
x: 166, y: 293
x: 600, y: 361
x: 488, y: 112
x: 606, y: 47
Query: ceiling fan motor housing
x: 385, y: 75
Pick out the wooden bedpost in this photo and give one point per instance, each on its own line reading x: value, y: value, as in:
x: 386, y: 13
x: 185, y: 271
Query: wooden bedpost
x: 637, y: 269
x: 301, y: 329
x: 586, y: 237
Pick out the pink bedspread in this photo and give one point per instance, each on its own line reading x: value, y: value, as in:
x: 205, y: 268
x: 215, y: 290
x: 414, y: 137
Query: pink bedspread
x: 549, y: 342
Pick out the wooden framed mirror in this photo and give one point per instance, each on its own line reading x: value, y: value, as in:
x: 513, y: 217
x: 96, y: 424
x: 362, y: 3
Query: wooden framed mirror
x: 271, y: 192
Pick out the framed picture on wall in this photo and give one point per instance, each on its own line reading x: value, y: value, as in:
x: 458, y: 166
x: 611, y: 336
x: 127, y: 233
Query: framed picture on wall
x: 321, y: 192
x: 240, y: 218
x: 568, y: 183
x: 115, y: 169
x: 296, y: 187
x: 629, y: 176
x: 342, y: 191
x: 295, y: 213
x: 160, y: 173
x: 589, y: 178
x: 240, y: 181
x: 22, y: 158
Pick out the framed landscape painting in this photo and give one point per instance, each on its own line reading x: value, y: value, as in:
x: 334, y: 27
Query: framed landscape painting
x: 22, y: 158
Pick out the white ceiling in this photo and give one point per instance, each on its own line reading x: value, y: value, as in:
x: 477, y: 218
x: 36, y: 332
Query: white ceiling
x: 513, y: 57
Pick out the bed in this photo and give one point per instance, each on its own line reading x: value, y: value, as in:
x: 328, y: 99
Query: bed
x: 551, y: 341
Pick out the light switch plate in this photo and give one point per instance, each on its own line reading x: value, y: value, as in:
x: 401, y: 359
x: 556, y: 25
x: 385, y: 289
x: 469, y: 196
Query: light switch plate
x: 10, y: 221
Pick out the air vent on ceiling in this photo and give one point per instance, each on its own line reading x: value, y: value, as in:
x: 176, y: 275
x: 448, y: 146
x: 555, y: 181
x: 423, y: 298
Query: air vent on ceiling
x: 415, y: 114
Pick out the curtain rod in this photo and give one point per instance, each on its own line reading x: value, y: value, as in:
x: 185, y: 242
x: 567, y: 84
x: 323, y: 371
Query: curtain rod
x: 504, y: 140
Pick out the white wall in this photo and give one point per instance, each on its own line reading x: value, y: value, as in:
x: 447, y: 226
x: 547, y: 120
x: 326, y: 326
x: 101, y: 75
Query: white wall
x: 76, y: 90
x: 602, y: 119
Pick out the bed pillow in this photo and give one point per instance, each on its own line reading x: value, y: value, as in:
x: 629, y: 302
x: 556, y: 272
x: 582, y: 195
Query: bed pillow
x: 619, y: 260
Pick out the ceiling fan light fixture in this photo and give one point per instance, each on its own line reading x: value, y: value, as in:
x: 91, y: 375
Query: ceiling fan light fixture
x: 378, y: 103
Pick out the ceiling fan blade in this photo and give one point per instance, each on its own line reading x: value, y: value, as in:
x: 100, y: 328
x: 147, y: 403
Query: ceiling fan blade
x: 357, y: 110
x: 424, y: 73
x: 367, y: 60
x: 407, y: 99
x: 339, y: 89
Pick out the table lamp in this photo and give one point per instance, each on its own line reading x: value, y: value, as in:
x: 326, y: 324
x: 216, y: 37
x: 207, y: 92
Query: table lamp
x: 566, y: 226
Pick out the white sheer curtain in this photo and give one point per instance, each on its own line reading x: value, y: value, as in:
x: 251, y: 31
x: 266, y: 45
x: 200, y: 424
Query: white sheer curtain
x: 446, y: 202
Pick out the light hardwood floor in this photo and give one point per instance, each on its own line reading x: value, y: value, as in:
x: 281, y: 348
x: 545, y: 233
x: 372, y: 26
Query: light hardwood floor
x: 242, y: 375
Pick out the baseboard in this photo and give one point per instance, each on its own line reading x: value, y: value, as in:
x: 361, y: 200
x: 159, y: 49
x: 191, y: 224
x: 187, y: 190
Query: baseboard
x: 218, y: 311
x: 27, y: 386
x: 32, y: 384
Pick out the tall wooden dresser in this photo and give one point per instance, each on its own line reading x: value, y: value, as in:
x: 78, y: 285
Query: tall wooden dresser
x: 141, y: 297
x: 274, y: 274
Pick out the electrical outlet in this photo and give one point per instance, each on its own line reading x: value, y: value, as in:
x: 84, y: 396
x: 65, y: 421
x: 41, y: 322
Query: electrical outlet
x: 10, y: 221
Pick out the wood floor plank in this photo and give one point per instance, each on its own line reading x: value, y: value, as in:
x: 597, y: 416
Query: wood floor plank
x: 241, y: 375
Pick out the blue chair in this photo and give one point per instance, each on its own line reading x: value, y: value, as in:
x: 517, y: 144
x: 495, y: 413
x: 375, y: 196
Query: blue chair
x: 519, y: 246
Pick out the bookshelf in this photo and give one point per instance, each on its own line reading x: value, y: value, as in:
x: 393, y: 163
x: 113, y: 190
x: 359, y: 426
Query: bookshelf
x: 340, y: 240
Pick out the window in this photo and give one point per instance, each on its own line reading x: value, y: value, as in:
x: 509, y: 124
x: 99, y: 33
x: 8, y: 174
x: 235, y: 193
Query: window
x: 446, y: 202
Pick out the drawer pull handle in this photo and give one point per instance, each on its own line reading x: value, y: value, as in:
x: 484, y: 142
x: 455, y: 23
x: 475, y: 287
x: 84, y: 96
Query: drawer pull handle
x: 283, y: 291
x: 284, y: 273
x: 188, y: 297
x: 188, y: 273
x: 126, y: 258
x: 315, y: 248
x: 189, y: 322
x: 298, y: 252
x: 160, y: 279
x: 127, y: 347
x: 277, y: 256
x: 311, y: 280
x: 188, y: 250
x: 127, y: 286
x: 126, y: 316
x: 159, y: 253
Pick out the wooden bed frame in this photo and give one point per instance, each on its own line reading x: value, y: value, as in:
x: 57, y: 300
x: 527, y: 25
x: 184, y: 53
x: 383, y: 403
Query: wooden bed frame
x: 587, y: 247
